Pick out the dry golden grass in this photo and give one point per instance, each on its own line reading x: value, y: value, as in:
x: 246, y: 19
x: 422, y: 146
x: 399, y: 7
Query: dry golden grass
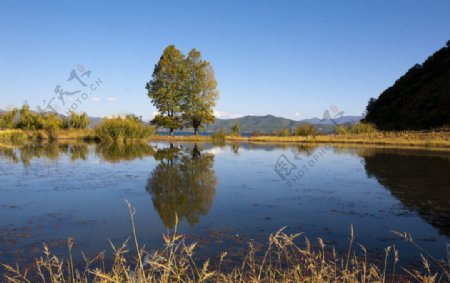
x: 180, y: 138
x: 427, y: 139
x: 419, y: 139
x: 284, y: 260
x: 75, y: 134
x: 422, y: 139
x: 22, y: 135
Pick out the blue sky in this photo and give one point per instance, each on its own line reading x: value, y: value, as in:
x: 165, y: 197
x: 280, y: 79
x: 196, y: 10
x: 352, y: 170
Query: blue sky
x: 287, y: 58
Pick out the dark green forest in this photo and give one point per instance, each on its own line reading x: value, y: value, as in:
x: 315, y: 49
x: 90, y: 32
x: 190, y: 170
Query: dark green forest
x: 419, y: 100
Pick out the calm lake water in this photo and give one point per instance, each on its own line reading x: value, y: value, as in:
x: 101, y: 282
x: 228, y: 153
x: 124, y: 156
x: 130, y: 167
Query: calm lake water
x: 224, y: 196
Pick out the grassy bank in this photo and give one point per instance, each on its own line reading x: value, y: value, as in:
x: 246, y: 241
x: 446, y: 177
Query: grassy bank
x: 180, y: 138
x: 286, y: 258
x: 424, y: 139
x: 419, y: 139
x: 18, y: 136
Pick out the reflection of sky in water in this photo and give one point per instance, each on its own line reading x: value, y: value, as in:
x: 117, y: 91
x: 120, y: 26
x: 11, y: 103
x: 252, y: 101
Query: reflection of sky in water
x: 59, y: 196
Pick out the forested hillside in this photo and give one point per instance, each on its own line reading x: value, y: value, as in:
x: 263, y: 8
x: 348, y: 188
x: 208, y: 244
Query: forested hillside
x: 419, y: 100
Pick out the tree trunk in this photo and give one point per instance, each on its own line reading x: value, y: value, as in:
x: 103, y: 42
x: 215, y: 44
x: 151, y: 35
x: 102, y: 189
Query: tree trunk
x: 196, y: 131
x: 171, y: 132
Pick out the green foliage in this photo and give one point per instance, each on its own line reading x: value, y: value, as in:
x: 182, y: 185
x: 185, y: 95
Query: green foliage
x: 76, y: 121
x: 29, y: 120
x: 201, y: 93
x: 236, y: 129
x: 358, y: 128
x: 166, y: 88
x: 419, y: 100
x: 183, y: 90
x: 305, y: 130
x: 118, y: 129
x: 51, y: 123
x: 219, y: 136
x: 25, y: 119
x: 342, y: 130
x: 363, y: 128
x: 7, y: 119
x: 281, y: 133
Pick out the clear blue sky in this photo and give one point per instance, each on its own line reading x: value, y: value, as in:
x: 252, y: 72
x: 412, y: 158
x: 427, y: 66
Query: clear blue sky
x: 287, y: 58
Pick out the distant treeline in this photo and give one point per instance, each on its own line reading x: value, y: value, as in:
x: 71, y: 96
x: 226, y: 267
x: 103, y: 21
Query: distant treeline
x: 419, y: 100
x: 25, y: 119
x: 114, y: 129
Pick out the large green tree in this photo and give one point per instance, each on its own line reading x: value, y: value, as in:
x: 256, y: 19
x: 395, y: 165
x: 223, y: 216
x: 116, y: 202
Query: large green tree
x: 167, y: 87
x: 201, y: 91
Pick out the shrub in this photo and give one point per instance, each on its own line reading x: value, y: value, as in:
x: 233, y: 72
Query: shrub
x: 7, y: 119
x: 51, y: 124
x: 118, y: 129
x: 236, y: 129
x: 284, y: 132
x: 342, y: 130
x: 29, y: 120
x: 363, y: 128
x: 77, y: 121
x: 358, y: 128
x: 305, y: 130
x: 219, y: 136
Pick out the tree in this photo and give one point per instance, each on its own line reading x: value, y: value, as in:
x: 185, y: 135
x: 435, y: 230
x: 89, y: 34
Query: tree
x: 418, y: 100
x: 284, y: 132
x: 236, y: 129
x: 76, y: 121
x: 29, y: 120
x: 201, y: 93
x: 84, y: 121
x: 305, y: 130
x: 7, y: 119
x: 166, y: 88
x: 51, y: 123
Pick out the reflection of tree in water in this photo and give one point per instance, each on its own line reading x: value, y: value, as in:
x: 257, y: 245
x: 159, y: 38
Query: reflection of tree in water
x: 182, y: 184
x: 421, y: 183
x: 78, y: 151
x: 300, y: 150
x: 50, y: 151
x: 235, y: 147
x: 47, y: 150
x: 116, y: 152
x: 9, y: 154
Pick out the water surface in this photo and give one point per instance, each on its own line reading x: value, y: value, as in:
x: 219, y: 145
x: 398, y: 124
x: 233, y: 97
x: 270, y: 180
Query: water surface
x: 224, y: 196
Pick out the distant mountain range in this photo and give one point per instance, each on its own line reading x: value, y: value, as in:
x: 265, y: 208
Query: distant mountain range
x: 269, y: 123
x: 264, y: 124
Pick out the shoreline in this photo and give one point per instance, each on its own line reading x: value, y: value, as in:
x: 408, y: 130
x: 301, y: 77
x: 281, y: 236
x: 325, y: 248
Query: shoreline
x: 437, y: 140
x: 440, y: 140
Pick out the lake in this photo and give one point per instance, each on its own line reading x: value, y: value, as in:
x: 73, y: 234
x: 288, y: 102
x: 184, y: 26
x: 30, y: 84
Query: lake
x: 223, y: 195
